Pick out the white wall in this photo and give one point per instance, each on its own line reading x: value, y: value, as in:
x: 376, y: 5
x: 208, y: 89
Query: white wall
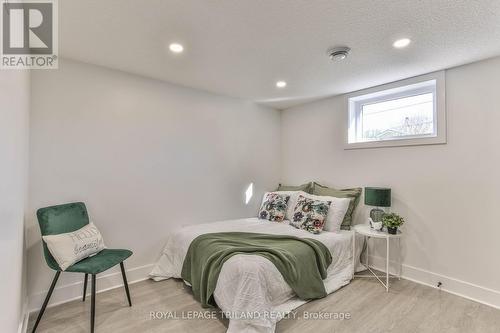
x: 449, y: 194
x: 14, y: 115
x: 145, y: 156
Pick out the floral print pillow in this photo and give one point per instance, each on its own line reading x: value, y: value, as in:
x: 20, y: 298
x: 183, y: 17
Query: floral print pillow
x: 310, y: 214
x: 274, y: 207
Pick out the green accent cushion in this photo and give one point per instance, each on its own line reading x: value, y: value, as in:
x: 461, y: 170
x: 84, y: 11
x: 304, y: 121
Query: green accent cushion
x: 353, y: 193
x: 100, y: 262
x: 308, y: 188
x: 69, y: 217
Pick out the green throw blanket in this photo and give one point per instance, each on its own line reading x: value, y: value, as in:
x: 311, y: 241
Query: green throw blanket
x: 303, y: 262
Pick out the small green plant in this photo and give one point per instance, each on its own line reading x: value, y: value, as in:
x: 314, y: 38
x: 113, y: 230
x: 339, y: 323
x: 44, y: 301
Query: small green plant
x: 392, y: 220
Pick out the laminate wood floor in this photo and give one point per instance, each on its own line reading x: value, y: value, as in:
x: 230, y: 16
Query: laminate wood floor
x: 408, y: 307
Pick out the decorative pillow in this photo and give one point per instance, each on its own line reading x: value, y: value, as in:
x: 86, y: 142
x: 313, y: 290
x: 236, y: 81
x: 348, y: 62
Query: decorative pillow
x: 308, y: 188
x: 294, y: 195
x: 336, y: 212
x: 72, y: 247
x: 310, y: 214
x: 353, y: 193
x: 274, y: 206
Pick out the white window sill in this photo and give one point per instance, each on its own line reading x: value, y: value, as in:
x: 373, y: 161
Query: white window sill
x: 396, y: 143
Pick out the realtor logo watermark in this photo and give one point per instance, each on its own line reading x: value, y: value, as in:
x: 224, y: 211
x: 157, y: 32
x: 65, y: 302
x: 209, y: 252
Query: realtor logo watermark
x: 29, y: 34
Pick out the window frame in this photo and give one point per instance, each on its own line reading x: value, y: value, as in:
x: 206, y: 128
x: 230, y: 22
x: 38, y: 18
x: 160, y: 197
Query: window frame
x: 400, y: 89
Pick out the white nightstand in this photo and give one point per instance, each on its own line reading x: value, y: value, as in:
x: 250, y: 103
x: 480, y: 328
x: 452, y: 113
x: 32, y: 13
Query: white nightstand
x: 367, y: 232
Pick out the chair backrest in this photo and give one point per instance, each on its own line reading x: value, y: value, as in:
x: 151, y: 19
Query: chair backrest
x: 60, y: 219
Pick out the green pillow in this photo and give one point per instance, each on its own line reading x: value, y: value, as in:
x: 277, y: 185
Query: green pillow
x: 308, y: 187
x: 353, y: 193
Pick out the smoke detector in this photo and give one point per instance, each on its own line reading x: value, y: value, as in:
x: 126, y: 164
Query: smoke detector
x: 338, y: 53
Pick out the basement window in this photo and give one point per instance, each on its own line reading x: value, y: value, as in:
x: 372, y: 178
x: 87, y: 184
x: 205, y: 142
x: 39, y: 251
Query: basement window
x: 409, y: 112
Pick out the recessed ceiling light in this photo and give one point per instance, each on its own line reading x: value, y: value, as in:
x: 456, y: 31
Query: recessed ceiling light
x: 281, y: 84
x: 176, y: 47
x: 400, y: 43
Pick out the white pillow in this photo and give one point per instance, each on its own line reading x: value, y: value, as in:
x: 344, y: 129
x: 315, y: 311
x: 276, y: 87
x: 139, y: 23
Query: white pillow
x: 72, y: 247
x: 294, y: 195
x: 336, y: 213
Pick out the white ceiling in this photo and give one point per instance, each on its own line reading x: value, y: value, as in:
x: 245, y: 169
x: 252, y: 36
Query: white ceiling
x: 241, y: 48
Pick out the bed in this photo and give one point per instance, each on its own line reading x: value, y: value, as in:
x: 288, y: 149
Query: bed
x: 250, y: 290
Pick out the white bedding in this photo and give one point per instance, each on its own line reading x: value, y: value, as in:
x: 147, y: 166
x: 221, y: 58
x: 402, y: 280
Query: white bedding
x: 250, y: 284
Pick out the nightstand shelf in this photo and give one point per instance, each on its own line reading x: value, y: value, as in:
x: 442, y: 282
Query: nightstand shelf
x: 368, y: 233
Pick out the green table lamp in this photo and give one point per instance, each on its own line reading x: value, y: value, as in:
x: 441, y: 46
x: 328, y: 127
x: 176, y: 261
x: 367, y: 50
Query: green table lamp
x: 378, y: 197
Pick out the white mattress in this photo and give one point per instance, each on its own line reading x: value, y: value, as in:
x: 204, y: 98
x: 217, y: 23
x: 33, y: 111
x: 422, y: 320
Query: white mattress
x: 251, y: 284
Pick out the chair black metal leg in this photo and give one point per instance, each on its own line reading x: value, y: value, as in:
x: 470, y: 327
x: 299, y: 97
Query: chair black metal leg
x: 85, y: 286
x: 92, y: 306
x: 125, y: 283
x: 47, y: 298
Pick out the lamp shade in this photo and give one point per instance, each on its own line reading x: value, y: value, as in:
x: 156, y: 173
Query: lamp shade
x: 378, y: 196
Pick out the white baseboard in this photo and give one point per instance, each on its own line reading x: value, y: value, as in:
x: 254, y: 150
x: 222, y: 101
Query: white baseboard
x: 451, y: 285
x: 70, y: 292
x: 25, y: 315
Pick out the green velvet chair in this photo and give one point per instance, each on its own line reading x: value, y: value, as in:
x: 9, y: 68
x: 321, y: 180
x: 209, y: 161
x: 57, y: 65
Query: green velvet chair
x: 67, y: 218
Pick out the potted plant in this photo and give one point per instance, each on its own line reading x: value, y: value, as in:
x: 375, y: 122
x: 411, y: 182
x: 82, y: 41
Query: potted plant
x: 392, y: 221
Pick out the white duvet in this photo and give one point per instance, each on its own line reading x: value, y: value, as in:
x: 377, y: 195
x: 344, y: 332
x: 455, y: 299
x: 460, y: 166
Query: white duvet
x: 249, y: 286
